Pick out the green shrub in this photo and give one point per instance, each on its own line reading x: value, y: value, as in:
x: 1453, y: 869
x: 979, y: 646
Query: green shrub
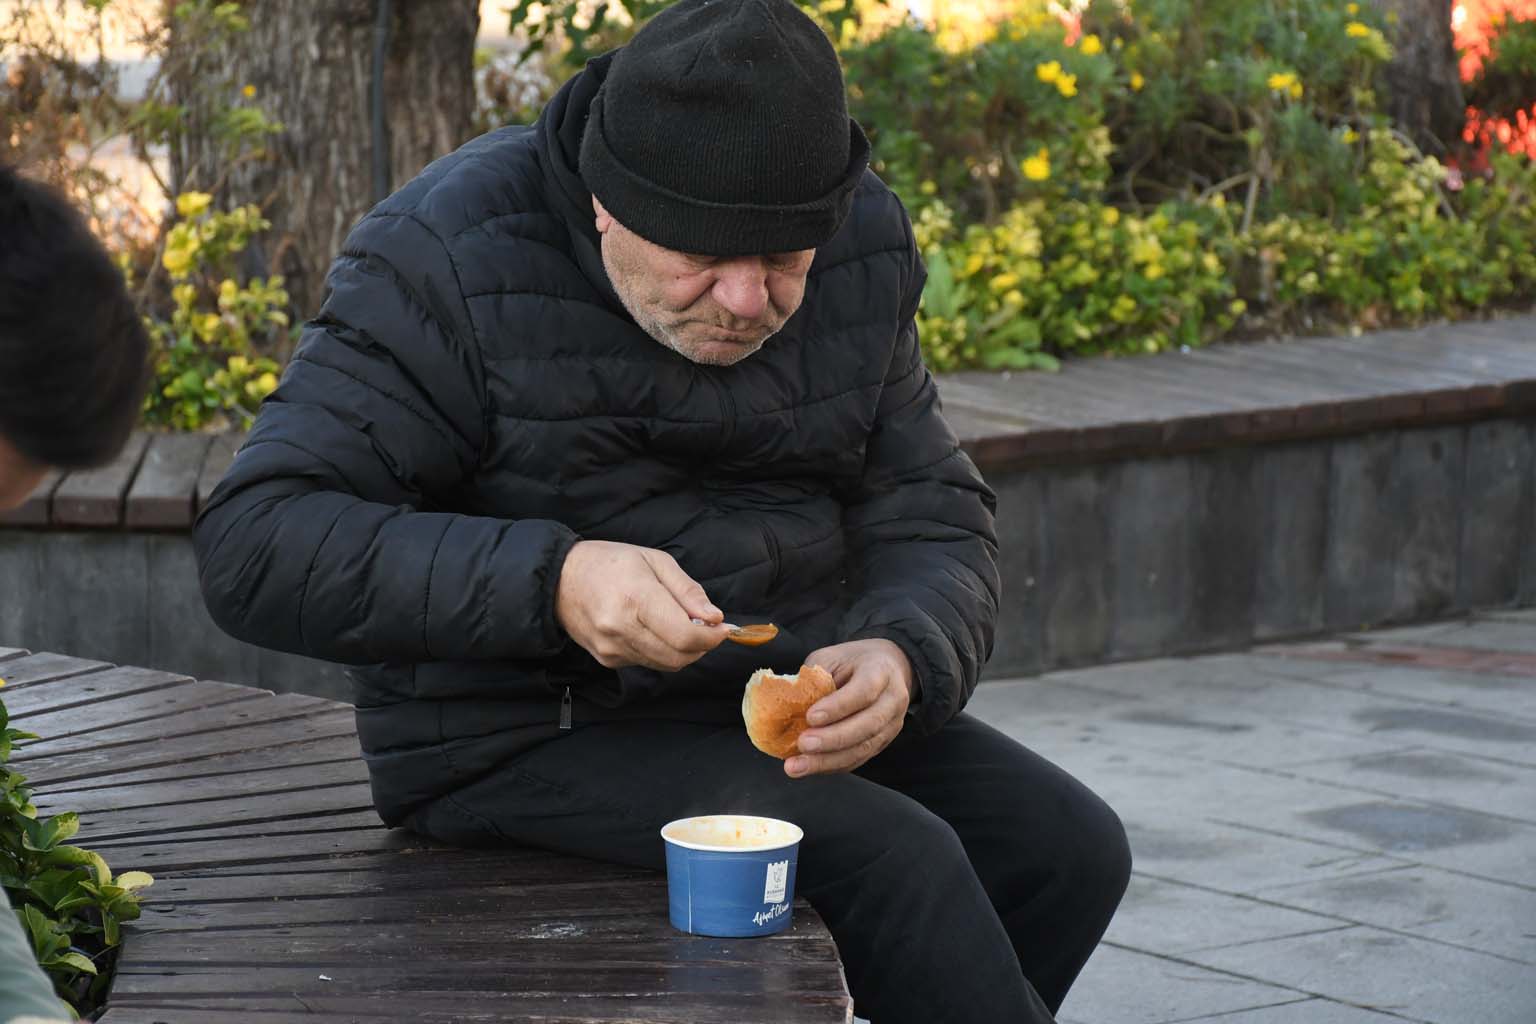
x: 1079, y: 277
x: 1057, y: 278
x: 69, y: 902
x: 208, y: 361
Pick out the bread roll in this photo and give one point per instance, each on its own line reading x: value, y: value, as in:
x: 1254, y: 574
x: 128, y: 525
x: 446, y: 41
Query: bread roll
x: 774, y: 707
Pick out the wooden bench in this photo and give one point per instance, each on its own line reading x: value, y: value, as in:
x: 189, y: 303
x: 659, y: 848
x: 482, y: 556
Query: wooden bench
x: 280, y: 898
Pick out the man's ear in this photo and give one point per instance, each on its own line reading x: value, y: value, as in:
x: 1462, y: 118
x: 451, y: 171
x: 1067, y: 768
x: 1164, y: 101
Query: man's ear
x: 603, y: 218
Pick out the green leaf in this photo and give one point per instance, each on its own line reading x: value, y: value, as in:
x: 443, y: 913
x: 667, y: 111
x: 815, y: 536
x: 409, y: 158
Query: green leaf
x: 131, y: 880
x: 77, y: 855
x: 43, y: 836
x: 48, y: 938
x: 79, y: 961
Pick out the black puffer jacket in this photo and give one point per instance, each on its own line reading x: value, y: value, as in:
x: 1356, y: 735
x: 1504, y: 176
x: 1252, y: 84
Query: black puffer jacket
x: 472, y: 399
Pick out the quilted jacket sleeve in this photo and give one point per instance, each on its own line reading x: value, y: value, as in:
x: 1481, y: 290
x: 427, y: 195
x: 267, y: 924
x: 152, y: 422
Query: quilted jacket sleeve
x: 922, y: 540
x: 323, y: 539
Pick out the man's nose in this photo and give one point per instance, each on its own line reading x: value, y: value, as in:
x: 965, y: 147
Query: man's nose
x: 742, y: 288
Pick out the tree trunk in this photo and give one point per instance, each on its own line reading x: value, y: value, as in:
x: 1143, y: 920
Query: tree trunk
x: 311, y: 64
x: 1423, y: 80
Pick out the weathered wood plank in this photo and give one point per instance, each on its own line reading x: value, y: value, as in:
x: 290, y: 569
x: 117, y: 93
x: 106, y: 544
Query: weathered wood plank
x: 216, y: 462
x: 445, y: 1005
x: 95, y: 497
x: 266, y: 844
x: 34, y: 511
x: 85, y: 722
x: 160, y: 732
x: 113, y: 684
x: 137, y: 822
x: 94, y: 762
x: 316, y: 753
x: 35, y: 669
x: 199, y: 790
x: 164, y: 494
x: 7, y: 653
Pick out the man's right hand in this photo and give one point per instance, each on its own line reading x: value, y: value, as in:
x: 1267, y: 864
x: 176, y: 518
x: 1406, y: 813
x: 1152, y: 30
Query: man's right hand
x: 629, y: 605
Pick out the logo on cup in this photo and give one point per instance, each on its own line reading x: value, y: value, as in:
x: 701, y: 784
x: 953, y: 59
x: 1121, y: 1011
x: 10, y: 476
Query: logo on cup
x: 777, y: 882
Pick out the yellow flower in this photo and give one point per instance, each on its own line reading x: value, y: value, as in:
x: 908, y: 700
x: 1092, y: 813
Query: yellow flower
x: 1282, y: 80
x: 1092, y: 45
x: 1067, y: 84
x: 239, y: 365
x: 1154, y: 271
x: 249, y: 92
x: 1013, y: 297
x: 1238, y: 307
x: 928, y: 187
x: 1350, y: 135
x: 1355, y: 30
x: 190, y: 204
x: 1352, y: 9
x: 1049, y: 71
x: 973, y: 263
x: 1003, y: 282
x: 262, y: 386
x: 1137, y: 81
x: 177, y: 261
x: 1296, y: 91
x: 1110, y: 215
x: 1037, y: 167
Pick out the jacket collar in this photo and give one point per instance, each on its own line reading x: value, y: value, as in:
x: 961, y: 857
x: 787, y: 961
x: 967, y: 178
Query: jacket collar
x: 560, y: 127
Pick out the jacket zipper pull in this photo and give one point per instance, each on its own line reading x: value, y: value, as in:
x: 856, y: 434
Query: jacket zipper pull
x: 565, y: 709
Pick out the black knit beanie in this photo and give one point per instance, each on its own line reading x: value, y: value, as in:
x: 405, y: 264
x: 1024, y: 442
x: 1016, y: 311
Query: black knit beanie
x: 723, y: 129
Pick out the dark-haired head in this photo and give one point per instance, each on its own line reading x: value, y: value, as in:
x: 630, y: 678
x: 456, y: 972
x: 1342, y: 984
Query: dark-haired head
x: 73, y: 352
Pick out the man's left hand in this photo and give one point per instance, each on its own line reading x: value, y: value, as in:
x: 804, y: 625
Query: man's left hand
x: 874, y: 688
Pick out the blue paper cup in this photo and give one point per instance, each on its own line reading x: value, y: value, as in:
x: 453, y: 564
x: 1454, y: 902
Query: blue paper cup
x: 731, y: 875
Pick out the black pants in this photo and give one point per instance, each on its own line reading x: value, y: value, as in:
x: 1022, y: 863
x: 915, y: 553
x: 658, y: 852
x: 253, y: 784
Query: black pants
x: 963, y: 877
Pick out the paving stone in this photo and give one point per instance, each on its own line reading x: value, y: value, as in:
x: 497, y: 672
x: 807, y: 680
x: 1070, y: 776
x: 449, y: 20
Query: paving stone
x: 1483, y: 634
x: 1413, y: 977
x: 1121, y: 986
x: 1436, y: 904
x: 1304, y: 1011
x: 1170, y: 917
x: 1485, y: 692
x: 1488, y: 786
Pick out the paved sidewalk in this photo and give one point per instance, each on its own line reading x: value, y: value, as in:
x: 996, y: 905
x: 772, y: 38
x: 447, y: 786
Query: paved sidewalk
x: 1327, y: 833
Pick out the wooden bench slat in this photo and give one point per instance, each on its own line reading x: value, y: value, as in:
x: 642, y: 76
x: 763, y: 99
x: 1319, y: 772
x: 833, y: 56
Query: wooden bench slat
x: 218, y: 787
x: 94, y: 497
x: 160, y: 731
x: 136, y: 822
x: 67, y: 766
x: 164, y: 494
x: 35, y: 669
x: 113, y: 684
x: 285, y: 843
x: 320, y: 754
x: 453, y: 1006
x: 35, y: 510
x: 83, y: 722
x: 216, y: 462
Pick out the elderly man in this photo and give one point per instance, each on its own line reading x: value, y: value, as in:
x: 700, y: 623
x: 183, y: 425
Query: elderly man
x: 73, y: 361
x: 584, y: 391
